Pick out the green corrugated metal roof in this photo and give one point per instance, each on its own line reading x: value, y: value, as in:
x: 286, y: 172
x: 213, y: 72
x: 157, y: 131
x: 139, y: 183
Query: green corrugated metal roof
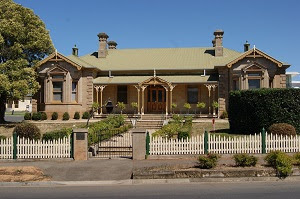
x: 177, y: 79
x: 156, y: 58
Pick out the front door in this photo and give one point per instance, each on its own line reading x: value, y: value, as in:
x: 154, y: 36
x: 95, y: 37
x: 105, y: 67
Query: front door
x: 156, y: 99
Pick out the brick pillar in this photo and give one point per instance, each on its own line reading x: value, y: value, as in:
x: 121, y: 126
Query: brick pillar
x: 138, y: 144
x: 34, y: 105
x: 223, y: 89
x: 80, y: 144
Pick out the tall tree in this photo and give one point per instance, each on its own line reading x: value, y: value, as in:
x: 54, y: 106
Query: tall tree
x: 24, y: 41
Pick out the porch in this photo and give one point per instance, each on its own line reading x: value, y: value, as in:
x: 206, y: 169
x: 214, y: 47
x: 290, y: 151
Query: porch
x: 157, y: 95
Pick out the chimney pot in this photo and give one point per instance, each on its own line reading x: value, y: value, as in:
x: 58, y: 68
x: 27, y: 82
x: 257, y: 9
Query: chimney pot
x: 75, y: 51
x: 246, y: 46
x: 112, y: 45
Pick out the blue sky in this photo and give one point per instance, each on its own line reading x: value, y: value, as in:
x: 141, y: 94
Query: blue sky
x: 272, y: 25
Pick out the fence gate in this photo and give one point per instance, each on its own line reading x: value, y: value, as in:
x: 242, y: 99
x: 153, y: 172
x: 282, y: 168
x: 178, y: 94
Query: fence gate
x: 113, y: 144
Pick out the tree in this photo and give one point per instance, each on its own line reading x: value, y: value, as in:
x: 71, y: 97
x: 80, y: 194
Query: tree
x: 24, y: 41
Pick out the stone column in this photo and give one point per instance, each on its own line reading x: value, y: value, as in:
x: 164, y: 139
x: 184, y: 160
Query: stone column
x: 80, y: 144
x: 97, y: 96
x: 214, y: 90
x: 171, y: 97
x: 138, y: 144
x: 167, y: 98
x: 143, y: 99
x: 209, y: 86
x: 101, y: 98
x: 138, y: 92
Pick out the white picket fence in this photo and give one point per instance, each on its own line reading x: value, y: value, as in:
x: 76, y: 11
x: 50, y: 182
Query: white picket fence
x: 6, y: 148
x: 223, y: 144
x: 164, y: 146
x: 41, y: 149
x: 282, y: 143
x: 235, y: 144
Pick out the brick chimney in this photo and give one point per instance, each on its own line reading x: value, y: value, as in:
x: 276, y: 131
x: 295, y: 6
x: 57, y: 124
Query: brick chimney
x: 112, y: 45
x: 75, y: 51
x: 213, y: 42
x: 246, y: 46
x: 218, y: 43
x: 102, y: 52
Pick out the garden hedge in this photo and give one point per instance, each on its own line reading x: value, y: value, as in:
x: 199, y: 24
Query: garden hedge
x: 251, y: 110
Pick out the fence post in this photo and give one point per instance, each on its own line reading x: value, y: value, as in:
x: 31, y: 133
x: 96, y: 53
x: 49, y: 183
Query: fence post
x: 206, y: 142
x: 15, y: 140
x: 263, y: 141
x: 71, y: 146
x: 147, y: 144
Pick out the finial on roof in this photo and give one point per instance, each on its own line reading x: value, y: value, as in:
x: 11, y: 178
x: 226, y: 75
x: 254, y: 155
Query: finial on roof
x: 154, y: 73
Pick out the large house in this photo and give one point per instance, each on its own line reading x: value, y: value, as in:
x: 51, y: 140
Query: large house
x: 154, y: 78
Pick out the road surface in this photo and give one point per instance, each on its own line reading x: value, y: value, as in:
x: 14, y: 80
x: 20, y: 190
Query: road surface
x: 236, y: 190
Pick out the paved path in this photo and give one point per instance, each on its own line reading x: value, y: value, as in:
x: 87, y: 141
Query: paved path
x: 91, y: 170
x: 240, y: 190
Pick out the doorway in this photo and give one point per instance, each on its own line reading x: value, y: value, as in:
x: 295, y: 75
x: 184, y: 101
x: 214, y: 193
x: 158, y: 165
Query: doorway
x: 156, y: 101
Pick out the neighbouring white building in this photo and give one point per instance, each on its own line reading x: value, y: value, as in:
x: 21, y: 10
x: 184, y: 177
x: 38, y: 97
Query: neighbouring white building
x: 20, y: 105
x: 290, y: 83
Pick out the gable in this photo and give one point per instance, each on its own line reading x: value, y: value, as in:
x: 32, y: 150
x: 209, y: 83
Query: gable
x: 56, y: 57
x: 57, y: 69
x: 254, y: 66
x: 254, y: 53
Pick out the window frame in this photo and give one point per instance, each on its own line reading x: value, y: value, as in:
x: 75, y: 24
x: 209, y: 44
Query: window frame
x: 76, y: 91
x: 58, y: 80
x: 189, y: 92
x: 122, y: 92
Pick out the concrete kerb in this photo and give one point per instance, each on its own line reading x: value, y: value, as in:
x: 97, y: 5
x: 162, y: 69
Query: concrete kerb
x: 147, y: 181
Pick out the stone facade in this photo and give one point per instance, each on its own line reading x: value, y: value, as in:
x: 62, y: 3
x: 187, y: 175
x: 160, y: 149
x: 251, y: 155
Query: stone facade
x: 70, y: 84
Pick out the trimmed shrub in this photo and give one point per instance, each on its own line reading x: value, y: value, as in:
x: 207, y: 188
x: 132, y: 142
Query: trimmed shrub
x: 104, y: 127
x: 28, y: 130
x: 297, y: 159
x: 281, y: 162
x: 55, y: 135
x: 251, y: 110
x: 54, y: 116
x: 183, y: 133
x: 169, y: 130
x: 271, y: 158
x: 76, y: 115
x: 66, y: 116
x: 36, y: 116
x: 209, y: 161
x: 27, y: 116
x: 282, y: 129
x: 43, y: 116
x: 245, y: 160
x: 284, y: 165
x: 85, y: 115
x: 224, y: 115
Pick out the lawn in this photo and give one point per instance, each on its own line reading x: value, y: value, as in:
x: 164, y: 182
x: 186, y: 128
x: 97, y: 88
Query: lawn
x: 17, y: 113
x: 220, y: 127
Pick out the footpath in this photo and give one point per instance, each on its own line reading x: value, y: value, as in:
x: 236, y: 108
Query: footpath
x: 126, y: 171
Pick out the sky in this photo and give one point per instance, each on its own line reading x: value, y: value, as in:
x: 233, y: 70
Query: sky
x: 271, y: 25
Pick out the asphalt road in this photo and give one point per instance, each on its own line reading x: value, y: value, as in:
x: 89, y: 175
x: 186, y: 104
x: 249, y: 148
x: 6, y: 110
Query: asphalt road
x: 240, y: 190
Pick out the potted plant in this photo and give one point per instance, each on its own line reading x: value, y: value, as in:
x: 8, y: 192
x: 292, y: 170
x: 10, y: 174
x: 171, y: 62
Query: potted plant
x: 173, y: 105
x: 187, y: 106
x: 215, y: 105
x: 121, y: 106
x: 134, y: 105
x: 201, y: 105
